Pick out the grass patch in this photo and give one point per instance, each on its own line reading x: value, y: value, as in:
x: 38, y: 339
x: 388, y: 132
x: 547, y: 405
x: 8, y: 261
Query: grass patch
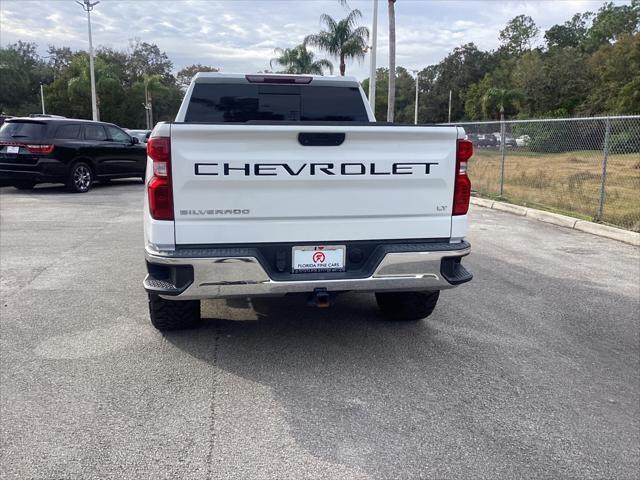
x: 567, y: 182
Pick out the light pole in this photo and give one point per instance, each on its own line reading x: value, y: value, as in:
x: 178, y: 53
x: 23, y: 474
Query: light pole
x: 42, y: 98
x: 148, y: 107
x: 88, y: 6
x: 372, y: 67
x: 417, y: 74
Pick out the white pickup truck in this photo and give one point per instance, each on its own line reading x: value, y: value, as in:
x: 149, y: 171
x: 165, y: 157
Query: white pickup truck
x: 275, y: 184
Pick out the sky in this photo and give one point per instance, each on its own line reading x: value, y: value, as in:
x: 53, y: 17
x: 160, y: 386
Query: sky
x: 240, y: 35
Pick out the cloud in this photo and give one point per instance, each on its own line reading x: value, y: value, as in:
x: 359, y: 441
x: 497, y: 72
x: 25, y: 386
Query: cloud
x: 240, y: 35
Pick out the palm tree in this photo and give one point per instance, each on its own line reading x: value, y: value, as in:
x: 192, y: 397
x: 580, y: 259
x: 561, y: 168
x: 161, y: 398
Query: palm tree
x: 391, y: 97
x: 343, y: 39
x: 300, y: 60
x: 499, y: 98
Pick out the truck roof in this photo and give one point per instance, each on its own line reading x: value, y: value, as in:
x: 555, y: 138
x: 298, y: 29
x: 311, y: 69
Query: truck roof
x: 327, y: 80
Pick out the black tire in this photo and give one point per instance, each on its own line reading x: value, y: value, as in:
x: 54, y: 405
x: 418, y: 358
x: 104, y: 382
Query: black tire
x: 173, y: 314
x: 25, y: 185
x: 407, y: 306
x: 80, y: 178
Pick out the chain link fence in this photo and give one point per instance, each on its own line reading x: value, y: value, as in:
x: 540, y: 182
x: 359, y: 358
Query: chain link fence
x: 585, y: 167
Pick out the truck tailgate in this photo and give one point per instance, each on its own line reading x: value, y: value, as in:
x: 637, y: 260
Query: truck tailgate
x: 279, y: 183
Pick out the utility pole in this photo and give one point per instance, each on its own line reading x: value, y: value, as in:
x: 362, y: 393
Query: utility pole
x: 415, y: 120
x: 148, y: 106
x: 449, y: 106
x: 42, y: 98
x: 87, y: 6
x: 372, y: 66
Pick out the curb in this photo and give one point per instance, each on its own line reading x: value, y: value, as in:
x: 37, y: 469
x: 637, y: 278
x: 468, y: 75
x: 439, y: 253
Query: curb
x: 597, y: 229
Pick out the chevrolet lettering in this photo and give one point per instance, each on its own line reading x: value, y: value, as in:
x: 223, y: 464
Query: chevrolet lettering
x: 302, y: 169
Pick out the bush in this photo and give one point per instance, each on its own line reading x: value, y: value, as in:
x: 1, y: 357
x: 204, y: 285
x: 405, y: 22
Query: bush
x: 624, y: 142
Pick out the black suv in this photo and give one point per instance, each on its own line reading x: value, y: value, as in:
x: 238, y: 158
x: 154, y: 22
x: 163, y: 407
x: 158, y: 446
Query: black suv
x: 62, y: 150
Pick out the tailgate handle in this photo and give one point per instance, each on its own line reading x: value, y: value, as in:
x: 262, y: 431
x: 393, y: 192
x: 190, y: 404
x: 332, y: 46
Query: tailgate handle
x: 312, y: 139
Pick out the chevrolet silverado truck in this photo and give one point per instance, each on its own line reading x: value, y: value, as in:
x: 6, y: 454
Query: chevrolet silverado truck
x: 266, y: 185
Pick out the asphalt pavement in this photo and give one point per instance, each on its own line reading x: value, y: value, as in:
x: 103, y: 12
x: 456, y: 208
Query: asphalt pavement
x: 530, y: 371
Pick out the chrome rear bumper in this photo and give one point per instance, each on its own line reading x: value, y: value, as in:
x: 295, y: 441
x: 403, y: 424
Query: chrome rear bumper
x: 229, y: 276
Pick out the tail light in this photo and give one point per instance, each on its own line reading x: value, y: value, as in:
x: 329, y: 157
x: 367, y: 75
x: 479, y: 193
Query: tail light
x: 159, y: 188
x: 40, y: 148
x: 462, y: 189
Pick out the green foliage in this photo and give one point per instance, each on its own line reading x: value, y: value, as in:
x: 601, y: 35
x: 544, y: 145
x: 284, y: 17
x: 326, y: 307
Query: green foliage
x: 21, y: 72
x: 184, y: 76
x: 456, y: 73
x: 572, y: 33
x: 570, y: 74
x: 497, y: 100
x: 588, y: 66
x: 518, y: 34
x: 616, y: 70
x: 382, y: 84
x: 300, y: 60
x: 342, y: 39
x: 120, y: 80
x: 611, y: 22
x: 624, y: 142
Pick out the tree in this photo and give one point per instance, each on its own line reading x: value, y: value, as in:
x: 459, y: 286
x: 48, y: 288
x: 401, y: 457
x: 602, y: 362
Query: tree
x: 300, y: 60
x: 571, y: 34
x: 616, y: 87
x: 611, y: 22
x: 343, y: 39
x: 185, y: 75
x: 59, y: 59
x: 518, y: 34
x: 499, y: 99
x: 21, y: 72
x: 557, y: 79
x: 405, y: 96
x: 457, y: 72
x: 391, y: 97
x: 382, y: 82
x: 147, y: 59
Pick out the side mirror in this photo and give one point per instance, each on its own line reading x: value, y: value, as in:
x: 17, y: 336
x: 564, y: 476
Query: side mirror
x: 134, y: 140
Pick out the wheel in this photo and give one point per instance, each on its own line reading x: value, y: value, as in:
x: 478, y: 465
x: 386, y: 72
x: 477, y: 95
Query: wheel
x: 173, y: 314
x: 407, y: 305
x: 24, y: 185
x: 80, y: 178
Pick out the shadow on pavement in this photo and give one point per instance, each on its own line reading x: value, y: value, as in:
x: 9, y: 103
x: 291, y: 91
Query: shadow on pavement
x: 356, y: 389
x: 59, y: 189
x: 491, y: 385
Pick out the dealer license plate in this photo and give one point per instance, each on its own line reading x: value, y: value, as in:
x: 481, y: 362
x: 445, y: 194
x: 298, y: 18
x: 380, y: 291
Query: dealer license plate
x: 318, y: 258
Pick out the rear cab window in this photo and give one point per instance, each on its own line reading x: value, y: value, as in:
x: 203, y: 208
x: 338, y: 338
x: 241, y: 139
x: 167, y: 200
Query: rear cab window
x: 239, y: 103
